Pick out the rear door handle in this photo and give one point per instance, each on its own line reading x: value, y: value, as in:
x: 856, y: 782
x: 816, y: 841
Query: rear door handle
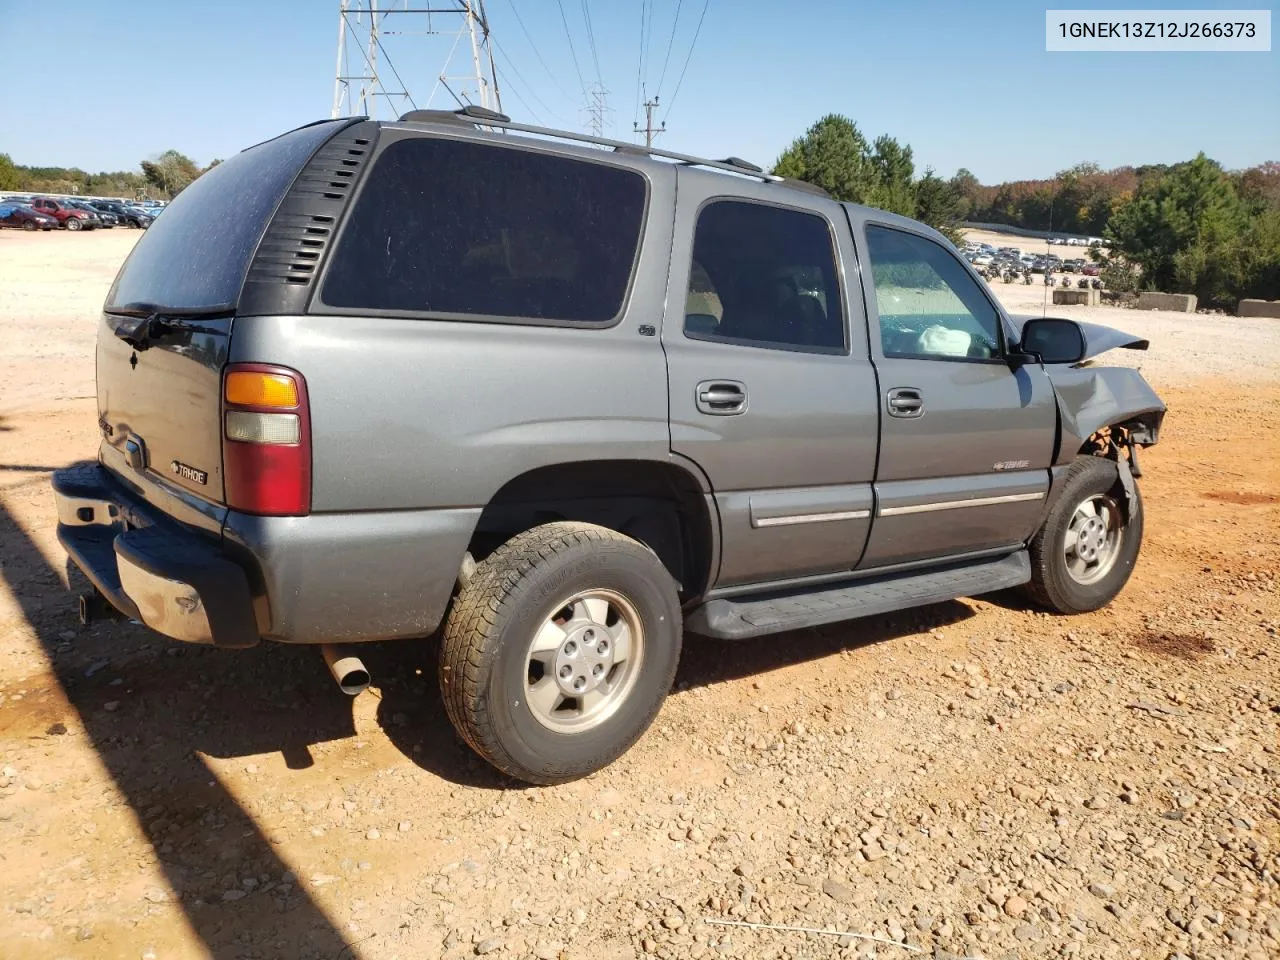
x: 721, y: 398
x: 906, y: 402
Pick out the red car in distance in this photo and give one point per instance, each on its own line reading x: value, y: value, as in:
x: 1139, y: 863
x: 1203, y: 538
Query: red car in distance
x: 67, y: 215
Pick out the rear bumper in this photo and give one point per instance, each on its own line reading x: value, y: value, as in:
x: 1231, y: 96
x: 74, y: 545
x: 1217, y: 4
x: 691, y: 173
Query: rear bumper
x: 172, y: 578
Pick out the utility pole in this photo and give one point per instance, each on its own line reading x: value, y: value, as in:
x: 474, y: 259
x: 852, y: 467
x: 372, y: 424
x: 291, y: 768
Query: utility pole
x: 649, y: 130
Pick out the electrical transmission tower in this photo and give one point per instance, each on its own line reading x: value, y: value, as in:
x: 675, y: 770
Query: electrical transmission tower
x: 365, y: 72
x: 649, y: 130
x: 597, y: 108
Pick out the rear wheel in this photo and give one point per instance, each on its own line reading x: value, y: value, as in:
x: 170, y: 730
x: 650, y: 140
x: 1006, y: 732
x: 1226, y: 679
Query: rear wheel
x: 1085, y: 552
x: 73, y: 223
x: 559, y: 651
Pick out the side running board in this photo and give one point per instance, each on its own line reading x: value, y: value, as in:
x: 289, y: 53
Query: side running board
x: 753, y: 616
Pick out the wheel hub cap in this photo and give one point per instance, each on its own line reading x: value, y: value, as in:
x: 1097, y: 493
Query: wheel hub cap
x: 583, y: 661
x: 1093, y: 539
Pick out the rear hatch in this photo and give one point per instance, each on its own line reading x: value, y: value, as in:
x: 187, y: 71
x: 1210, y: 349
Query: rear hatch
x: 167, y: 323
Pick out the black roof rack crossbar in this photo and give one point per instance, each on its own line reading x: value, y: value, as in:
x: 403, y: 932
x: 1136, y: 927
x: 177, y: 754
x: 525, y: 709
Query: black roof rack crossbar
x: 488, y: 118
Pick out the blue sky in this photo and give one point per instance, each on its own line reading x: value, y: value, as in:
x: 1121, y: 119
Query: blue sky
x: 101, y: 85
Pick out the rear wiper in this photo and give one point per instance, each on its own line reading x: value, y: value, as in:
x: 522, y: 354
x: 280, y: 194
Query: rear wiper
x: 144, y: 323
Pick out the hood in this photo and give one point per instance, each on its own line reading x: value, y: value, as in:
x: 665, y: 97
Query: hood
x: 1097, y: 338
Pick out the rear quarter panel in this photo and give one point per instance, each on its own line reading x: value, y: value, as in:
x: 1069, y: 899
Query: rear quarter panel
x: 425, y: 413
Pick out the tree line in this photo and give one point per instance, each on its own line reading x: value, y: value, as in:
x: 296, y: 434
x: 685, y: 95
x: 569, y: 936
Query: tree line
x: 1190, y: 227
x: 161, y: 177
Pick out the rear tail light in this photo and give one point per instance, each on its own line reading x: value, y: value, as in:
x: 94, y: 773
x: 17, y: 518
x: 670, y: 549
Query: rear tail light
x: 266, y: 440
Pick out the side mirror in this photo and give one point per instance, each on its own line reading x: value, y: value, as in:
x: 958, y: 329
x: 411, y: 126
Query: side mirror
x: 1053, y: 340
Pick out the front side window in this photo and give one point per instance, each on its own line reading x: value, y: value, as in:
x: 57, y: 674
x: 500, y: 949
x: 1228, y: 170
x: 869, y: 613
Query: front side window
x: 451, y: 227
x: 930, y: 306
x: 764, y: 276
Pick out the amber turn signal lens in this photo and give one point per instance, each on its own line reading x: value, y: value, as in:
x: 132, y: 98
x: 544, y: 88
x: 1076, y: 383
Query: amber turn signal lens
x: 251, y: 389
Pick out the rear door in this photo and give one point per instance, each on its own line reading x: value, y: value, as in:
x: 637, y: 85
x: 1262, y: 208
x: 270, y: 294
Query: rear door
x: 771, y: 390
x: 159, y: 404
x: 966, y: 440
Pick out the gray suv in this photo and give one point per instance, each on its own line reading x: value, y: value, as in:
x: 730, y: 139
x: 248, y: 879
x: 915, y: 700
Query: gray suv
x: 561, y: 400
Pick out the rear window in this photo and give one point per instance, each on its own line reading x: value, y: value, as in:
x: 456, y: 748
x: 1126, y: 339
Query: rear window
x: 197, y: 254
x: 464, y: 229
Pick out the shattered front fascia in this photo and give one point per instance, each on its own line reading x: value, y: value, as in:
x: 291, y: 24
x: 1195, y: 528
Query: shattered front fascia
x: 1090, y: 398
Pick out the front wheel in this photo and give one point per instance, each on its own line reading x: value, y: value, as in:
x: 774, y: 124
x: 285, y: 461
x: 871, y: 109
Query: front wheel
x: 73, y: 223
x: 559, y: 651
x: 1085, y: 552
x: 28, y: 225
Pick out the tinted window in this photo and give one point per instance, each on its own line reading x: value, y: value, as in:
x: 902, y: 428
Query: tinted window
x: 764, y: 276
x: 449, y: 227
x: 198, y: 254
x: 930, y: 306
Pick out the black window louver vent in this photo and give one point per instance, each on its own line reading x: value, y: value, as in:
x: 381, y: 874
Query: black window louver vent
x: 303, y: 227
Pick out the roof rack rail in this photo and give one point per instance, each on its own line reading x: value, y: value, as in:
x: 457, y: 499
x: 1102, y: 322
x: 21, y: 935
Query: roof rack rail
x: 481, y: 117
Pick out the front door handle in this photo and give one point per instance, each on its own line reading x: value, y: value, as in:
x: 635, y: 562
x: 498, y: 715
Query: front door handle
x: 906, y: 402
x: 721, y: 398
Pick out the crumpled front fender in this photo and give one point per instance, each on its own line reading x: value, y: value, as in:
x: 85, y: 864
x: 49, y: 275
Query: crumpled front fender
x: 1090, y: 398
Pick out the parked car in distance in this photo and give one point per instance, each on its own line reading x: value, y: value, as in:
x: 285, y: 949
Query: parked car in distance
x: 106, y: 218
x: 1091, y: 270
x: 1073, y: 265
x: 23, y: 217
x: 130, y: 216
x: 781, y: 411
x: 69, y: 215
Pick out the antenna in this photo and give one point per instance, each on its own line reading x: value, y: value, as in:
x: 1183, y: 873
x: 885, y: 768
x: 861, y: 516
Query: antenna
x: 365, y: 72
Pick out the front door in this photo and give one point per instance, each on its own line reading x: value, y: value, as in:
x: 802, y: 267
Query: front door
x: 772, y: 393
x: 966, y: 440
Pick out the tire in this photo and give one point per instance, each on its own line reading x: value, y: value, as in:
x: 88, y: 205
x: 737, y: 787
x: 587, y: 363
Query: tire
x: 73, y: 223
x: 520, y: 594
x: 1077, y: 579
x: 28, y: 225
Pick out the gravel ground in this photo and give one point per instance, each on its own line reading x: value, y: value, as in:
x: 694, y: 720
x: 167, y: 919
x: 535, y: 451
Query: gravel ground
x: 971, y: 779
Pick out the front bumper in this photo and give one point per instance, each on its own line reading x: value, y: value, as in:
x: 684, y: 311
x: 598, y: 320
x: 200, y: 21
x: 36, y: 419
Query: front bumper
x: 149, y: 567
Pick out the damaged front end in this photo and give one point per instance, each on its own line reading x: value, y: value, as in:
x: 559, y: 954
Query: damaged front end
x: 1104, y: 411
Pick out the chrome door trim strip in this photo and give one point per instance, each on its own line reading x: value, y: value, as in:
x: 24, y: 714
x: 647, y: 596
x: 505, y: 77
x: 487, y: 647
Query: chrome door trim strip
x: 810, y: 518
x: 956, y: 504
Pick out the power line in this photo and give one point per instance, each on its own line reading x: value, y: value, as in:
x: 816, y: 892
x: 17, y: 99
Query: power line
x: 671, y: 103
x: 519, y: 76
x: 591, y: 39
x: 516, y: 93
x: 670, y: 43
x: 635, y: 116
x: 520, y: 20
x: 648, y: 36
x: 573, y: 53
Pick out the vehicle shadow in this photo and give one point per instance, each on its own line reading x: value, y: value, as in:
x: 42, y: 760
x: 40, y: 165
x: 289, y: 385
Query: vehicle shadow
x: 412, y: 714
x: 149, y: 707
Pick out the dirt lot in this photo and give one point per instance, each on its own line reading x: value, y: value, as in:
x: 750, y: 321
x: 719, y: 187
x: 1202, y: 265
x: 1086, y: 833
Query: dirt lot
x: 972, y: 778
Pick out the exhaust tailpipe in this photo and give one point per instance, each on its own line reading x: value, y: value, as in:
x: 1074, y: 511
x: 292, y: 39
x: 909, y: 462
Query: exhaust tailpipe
x: 348, y: 670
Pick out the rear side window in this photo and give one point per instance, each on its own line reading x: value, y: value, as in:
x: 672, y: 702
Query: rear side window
x: 764, y: 276
x: 197, y: 254
x: 456, y: 228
